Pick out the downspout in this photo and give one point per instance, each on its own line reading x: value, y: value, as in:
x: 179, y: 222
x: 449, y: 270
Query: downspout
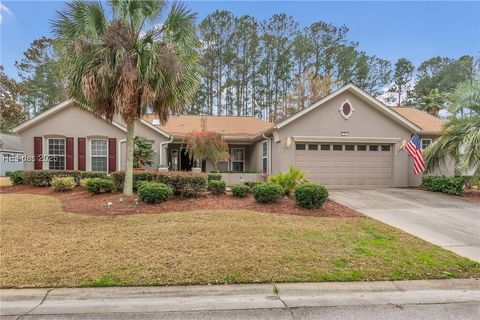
x: 161, y: 149
x: 269, y: 155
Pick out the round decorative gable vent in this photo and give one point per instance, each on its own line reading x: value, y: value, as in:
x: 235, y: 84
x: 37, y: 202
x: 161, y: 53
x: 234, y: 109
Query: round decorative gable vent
x: 346, y: 109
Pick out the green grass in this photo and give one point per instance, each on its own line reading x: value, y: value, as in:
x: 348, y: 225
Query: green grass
x: 43, y: 246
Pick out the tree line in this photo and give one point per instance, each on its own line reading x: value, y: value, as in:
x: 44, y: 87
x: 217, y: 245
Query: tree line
x: 267, y: 69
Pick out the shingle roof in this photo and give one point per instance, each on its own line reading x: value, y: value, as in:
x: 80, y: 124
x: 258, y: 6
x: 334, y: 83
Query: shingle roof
x: 230, y: 126
x: 427, y: 122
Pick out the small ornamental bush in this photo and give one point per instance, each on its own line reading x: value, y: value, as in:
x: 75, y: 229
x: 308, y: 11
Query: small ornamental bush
x: 289, y: 180
x: 252, y: 184
x: 449, y: 185
x: 214, y: 176
x: 216, y: 186
x: 267, y: 192
x: 62, y: 184
x: 16, y: 177
x: 240, y: 190
x: 99, y: 185
x: 84, y: 181
x: 43, y: 178
x: 154, y: 192
x: 310, y: 196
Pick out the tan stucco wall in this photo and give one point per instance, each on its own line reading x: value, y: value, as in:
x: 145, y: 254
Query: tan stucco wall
x: 325, y: 120
x: 75, y: 122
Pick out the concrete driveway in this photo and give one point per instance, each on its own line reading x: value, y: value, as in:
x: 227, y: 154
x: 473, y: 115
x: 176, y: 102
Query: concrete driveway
x: 451, y: 223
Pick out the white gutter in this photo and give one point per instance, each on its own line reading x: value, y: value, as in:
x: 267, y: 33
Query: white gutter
x: 269, y: 155
x: 161, y: 149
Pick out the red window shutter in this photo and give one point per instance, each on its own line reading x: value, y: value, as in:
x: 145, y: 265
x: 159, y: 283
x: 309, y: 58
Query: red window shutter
x: 69, y: 154
x: 112, y: 155
x: 37, y: 152
x: 81, y: 154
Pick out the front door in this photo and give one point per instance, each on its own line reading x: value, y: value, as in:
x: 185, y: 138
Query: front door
x: 185, y: 163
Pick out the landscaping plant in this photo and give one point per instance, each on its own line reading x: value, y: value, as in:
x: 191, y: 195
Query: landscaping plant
x: 267, y: 192
x: 154, y: 192
x: 62, y: 184
x: 449, y: 185
x: 99, y: 185
x: 207, y: 145
x: 216, y: 186
x: 214, y: 176
x: 289, y: 180
x: 16, y: 177
x: 143, y: 153
x: 240, y: 190
x: 310, y: 196
x: 84, y: 181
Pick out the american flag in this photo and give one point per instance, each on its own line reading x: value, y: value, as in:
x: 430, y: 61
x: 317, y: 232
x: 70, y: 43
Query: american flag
x: 414, y: 147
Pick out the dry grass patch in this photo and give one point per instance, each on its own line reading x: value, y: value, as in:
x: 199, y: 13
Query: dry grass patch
x: 5, y: 182
x: 42, y: 246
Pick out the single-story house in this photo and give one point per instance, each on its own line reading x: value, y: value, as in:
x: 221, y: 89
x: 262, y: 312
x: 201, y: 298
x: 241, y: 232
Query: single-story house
x: 346, y: 139
x: 11, y: 153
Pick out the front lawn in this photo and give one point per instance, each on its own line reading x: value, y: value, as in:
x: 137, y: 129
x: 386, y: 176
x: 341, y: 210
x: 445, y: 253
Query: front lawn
x: 43, y: 246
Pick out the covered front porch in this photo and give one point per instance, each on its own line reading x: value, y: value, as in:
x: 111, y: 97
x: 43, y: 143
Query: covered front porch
x: 241, y: 159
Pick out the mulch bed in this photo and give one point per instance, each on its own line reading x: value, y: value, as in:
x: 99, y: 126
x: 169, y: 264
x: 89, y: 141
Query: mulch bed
x: 80, y: 201
x: 471, y: 195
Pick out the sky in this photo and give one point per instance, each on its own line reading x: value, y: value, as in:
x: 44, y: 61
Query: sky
x: 388, y: 29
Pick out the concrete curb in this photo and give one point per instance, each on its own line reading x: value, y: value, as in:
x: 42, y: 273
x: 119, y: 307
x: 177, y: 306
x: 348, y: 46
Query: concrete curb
x: 234, y: 297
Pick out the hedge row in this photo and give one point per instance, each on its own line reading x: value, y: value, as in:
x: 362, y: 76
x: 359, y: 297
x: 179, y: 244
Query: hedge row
x: 449, y: 185
x: 43, y: 178
x: 185, y: 184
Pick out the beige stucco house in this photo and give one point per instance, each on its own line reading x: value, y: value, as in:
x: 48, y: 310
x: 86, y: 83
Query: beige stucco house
x: 347, y: 139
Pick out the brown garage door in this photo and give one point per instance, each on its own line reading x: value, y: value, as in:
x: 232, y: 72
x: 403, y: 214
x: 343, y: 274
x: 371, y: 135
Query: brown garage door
x: 346, y: 165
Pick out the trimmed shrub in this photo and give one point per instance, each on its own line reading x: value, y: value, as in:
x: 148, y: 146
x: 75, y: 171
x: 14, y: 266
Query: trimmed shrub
x: 216, y: 186
x: 84, y: 181
x: 62, y: 184
x: 214, y: 176
x: 240, y: 190
x: 449, y: 185
x: 185, y: 184
x: 252, y: 184
x: 43, y: 178
x: 99, y: 185
x: 310, y: 196
x: 154, y: 192
x: 16, y: 177
x: 289, y: 180
x: 267, y: 192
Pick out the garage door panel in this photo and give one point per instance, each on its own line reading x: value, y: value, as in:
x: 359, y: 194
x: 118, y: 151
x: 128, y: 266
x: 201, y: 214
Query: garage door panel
x: 347, y: 168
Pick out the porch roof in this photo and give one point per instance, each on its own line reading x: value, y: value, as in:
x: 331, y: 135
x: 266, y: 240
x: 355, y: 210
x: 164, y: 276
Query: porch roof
x: 231, y: 127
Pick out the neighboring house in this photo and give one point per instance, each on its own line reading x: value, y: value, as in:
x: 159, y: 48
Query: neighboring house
x: 347, y: 139
x: 11, y: 153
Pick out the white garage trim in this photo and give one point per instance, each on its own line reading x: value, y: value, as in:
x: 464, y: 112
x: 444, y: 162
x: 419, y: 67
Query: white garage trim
x: 346, y: 139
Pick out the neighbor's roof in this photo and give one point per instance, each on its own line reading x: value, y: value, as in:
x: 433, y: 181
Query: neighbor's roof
x: 10, y: 142
x: 229, y: 126
x: 428, y: 123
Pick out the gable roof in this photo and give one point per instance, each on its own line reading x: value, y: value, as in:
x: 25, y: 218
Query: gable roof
x: 228, y: 126
x: 362, y: 94
x: 428, y: 123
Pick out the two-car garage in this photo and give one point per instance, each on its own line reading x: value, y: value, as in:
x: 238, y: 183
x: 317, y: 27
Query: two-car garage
x: 341, y: 165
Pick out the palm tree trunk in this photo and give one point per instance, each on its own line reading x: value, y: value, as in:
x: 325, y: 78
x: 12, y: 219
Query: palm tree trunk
x: 128, y: 184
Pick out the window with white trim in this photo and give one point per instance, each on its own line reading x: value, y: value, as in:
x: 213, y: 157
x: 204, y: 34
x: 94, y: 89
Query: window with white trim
x: 99, y: 155
x: 238, y: 159
x: 426, y: 143
x: 56, y: 152
x: 265, y: 157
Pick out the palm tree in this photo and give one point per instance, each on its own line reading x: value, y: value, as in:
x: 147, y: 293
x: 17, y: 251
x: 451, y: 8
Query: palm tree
x: 123, y: 62
x: 433, y: 102
x: 460, y: 140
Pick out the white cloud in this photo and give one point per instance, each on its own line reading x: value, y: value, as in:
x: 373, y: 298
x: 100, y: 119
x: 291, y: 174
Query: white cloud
x: 4, y: 9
